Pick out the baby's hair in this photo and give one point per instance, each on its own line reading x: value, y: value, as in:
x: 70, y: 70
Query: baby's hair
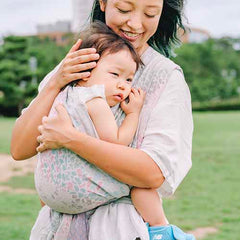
x: 98, y: 35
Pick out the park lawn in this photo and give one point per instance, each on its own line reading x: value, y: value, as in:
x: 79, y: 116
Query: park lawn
x: 208, y: 197
x: 25, y: 182
x: 6, y: 125
x: 17, y: 215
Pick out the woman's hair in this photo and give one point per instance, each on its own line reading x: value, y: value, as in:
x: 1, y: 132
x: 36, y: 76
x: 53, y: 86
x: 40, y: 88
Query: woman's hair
x: 166, y: 35
x: 98, y: 35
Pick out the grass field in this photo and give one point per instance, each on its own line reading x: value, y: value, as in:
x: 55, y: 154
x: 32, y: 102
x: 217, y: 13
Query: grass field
x: 208, y: 197
x: 5, y: 134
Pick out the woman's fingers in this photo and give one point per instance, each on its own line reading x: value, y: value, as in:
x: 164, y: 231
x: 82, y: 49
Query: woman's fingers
x: 82, y: 52
x: 41, y: 148
x: 84, y: 59
x: 77, y: 76
x: 62, y: 113
x: 39, y: 139
x: 82, y: 67
x: 40, y: 128
x: 76, y: 46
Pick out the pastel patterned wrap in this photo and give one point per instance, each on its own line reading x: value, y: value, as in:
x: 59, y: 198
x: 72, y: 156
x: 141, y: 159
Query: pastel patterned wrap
x: 66, y: 182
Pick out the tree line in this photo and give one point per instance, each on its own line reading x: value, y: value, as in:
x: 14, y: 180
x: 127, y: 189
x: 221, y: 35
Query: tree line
x: 211, y: 69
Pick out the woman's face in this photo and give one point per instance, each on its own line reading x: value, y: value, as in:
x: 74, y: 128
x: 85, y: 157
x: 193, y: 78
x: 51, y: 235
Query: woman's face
x: 134, y: 20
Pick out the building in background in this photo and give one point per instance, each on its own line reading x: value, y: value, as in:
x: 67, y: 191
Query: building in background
x: 194, y: 35
x: 81, y: 14
x: 56, y: 31
x: 81, y: 10
x: 59, y: 26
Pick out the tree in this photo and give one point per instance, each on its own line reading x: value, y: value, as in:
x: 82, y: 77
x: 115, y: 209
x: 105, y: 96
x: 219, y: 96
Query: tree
x: 15, y: 75
x: 211, y: 69
x: 18, y: 83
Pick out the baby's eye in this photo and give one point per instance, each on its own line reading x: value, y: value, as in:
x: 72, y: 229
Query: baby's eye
x: 129, y: 80
x: 114, y: 73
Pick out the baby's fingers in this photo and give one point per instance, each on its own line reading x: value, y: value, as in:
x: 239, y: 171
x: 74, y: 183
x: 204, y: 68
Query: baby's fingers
x: 134, y: 91
x: 142, y: 93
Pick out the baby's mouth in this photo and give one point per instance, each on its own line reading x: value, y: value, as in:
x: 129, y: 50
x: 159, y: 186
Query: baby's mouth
x: 119, y: 96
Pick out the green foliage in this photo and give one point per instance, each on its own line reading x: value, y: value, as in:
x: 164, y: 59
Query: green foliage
x: 15, y: 73
x: 211, y: 69
x: 18, y: 82
x: 217, y: 105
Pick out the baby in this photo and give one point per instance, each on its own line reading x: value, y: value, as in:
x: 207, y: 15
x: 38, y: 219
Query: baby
x: 66, y: 182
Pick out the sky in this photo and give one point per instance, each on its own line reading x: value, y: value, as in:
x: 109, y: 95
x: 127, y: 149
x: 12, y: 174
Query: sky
x: 218, y: 17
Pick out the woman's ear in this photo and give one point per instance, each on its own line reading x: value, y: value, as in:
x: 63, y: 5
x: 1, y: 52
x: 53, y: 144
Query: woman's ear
x: 102, y: 4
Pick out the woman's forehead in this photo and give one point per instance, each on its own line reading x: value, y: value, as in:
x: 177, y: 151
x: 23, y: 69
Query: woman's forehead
x: 146, y: 3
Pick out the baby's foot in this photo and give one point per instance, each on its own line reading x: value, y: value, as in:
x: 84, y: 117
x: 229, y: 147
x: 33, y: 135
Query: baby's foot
x: 169, y: 232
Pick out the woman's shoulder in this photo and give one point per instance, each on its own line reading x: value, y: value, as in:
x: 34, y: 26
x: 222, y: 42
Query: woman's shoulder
x: 157, y: 62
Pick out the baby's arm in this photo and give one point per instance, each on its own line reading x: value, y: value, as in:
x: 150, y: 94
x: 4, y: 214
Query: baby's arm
x: 104, y: 121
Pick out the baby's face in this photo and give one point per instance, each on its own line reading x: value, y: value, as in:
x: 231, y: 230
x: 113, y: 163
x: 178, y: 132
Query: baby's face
x: 115, y: 72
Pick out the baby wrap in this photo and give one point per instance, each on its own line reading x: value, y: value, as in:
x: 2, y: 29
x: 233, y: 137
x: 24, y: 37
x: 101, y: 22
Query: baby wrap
x: 66, y: 182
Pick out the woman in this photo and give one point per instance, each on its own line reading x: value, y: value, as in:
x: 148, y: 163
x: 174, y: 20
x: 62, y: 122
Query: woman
x: 162, y: 156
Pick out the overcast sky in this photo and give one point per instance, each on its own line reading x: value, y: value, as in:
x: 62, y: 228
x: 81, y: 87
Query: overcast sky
x: 219, y: 17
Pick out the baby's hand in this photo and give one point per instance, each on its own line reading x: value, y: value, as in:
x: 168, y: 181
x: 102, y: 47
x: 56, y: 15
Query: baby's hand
x: 136, y: 99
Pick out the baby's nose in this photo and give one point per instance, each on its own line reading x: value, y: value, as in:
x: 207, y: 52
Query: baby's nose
x: 121, y: 85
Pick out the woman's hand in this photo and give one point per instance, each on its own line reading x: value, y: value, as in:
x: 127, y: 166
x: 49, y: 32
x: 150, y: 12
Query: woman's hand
x: 55, y: 131
x: 75, y: 65
x: 136, y: 100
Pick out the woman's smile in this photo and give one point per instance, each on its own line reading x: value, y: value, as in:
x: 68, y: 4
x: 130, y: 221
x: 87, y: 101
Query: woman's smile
x: 134, y: 20
x: 130, y: 36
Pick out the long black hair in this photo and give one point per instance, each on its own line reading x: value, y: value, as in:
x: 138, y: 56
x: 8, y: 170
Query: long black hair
x: 170, y: 22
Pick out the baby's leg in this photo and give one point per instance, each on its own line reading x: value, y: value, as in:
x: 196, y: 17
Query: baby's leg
x: 149, y: 205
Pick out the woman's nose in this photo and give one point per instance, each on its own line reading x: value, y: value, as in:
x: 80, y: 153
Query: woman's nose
x: 135, y: 22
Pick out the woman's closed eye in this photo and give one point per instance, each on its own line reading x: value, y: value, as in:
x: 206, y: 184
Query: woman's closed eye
x: 123, y: 10
x: 150, y: 16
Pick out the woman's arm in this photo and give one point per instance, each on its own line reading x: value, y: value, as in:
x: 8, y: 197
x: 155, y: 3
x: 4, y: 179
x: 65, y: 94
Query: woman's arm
x: 131, y: 166
x: 24, y: 135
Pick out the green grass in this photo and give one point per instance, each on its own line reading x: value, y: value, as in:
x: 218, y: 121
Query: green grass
x: 6, y: 125
x: 17, y: 215
x: 26, y: 182
x: 208, y: 196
